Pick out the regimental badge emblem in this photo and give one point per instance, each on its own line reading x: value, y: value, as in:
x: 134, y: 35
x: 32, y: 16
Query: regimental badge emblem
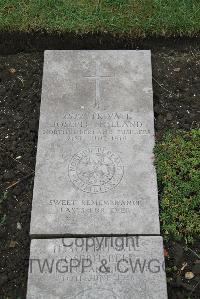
x: 95, y: 170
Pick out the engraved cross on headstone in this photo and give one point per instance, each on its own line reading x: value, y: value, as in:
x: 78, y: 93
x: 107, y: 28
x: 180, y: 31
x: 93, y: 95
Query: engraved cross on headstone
x: 98, y: 77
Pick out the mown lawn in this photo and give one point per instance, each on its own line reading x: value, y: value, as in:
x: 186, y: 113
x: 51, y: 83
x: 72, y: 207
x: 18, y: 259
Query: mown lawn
x: 137, y: 18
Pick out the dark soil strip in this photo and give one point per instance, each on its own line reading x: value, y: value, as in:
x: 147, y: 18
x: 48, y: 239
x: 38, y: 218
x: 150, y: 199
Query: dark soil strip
x: 15, y: 42
x: 176, y: 73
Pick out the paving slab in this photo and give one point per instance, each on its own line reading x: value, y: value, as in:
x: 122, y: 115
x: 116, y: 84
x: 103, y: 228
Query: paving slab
x: 97, y: 268
x: 94, y: 171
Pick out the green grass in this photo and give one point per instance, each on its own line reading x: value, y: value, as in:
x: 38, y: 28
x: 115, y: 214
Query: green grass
x: 178, y: 170
x: 137, y: 18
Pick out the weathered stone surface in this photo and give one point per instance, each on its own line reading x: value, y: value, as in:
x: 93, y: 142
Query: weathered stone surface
x: 94, y: 170
x: 97, y: 268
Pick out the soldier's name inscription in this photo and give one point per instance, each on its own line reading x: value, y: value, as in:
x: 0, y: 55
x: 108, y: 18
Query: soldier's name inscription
x: 99, y: 126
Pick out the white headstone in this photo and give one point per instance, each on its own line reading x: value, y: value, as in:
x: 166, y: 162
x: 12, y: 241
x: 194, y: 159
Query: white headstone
x: 94, y: 170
